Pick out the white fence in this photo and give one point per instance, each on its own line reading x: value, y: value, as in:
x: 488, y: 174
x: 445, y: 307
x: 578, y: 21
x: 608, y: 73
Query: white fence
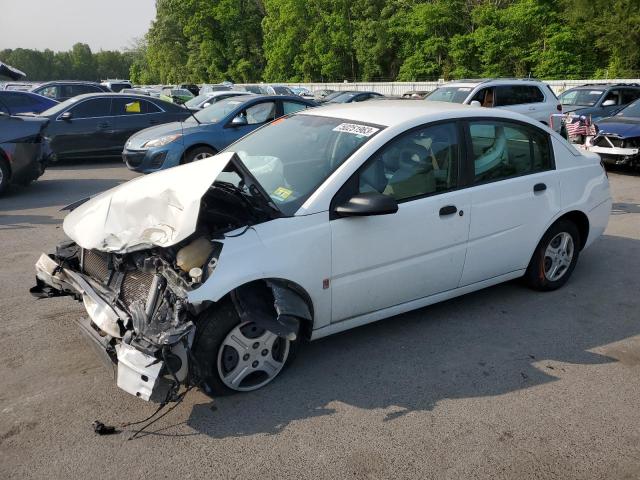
x: 398, y: 88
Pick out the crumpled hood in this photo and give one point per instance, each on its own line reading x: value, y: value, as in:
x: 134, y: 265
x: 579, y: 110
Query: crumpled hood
x: 160, y: 209
x: 620, y: 126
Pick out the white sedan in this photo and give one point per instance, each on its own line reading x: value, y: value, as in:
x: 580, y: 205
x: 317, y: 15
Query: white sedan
x: 212, y: 273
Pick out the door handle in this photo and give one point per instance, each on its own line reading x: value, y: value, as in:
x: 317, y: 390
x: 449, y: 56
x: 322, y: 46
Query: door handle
x: 539, y: 187
x: 532, y: 108
x: 104, y: 125
x: 448, y: 210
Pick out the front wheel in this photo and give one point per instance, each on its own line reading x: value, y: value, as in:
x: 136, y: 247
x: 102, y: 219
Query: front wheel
x: 234, y: 356
x: 199, y: 153
x: 555, y: 257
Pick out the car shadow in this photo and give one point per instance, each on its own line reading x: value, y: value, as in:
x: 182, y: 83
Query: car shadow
x: 499, y: 340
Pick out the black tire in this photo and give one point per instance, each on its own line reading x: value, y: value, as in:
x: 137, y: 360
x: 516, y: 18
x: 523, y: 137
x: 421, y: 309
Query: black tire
x: 5, y: 175
x: 211, y: 331
x: 192, y: 154
x: 536, y: 275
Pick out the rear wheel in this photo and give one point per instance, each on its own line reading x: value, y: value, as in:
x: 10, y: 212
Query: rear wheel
x: 555, y: 257
x: 234, y: 356
x: 199, y: 153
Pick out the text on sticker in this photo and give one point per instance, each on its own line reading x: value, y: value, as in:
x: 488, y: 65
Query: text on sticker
x: 356, y: 129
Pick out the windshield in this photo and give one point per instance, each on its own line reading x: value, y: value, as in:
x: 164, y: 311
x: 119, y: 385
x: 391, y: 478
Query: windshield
x: 217, y: 111
x: 292, y: 156
x: 450, y: 94
x: 583, y: 97
x: 631, y: 110
x: 196, y: 101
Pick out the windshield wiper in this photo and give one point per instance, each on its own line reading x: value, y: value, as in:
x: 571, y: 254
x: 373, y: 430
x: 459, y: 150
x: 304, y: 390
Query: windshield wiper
x: 255, y: 189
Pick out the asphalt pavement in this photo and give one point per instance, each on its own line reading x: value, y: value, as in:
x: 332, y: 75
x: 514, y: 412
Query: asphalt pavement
x: 502, y: 383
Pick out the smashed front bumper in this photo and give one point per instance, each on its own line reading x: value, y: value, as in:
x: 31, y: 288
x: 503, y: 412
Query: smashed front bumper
x: 617, y: 155
x: 148, y: 370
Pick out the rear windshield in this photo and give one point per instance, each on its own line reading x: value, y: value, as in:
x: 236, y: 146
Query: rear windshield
x: 449, y: 94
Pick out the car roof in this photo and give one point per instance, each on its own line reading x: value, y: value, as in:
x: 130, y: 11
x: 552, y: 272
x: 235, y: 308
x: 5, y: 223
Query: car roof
x: 396, y: 112
x: 111, y: 95
x: 492, y: 81
x: 604, y: 86
x: 219, y: 93
x: 73, y: 82
x: 252, y: 96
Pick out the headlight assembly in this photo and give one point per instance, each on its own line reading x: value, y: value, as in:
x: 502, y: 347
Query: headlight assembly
x: 162, y: 141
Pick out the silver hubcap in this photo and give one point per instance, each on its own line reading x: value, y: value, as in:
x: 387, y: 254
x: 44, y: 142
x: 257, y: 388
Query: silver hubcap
x: 558, y: 256
x: 250, y: 357
x: 202, y: 156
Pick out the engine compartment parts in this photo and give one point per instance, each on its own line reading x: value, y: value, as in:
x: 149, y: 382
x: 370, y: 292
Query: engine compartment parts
x: 139, y: 315
x: 194, y: 255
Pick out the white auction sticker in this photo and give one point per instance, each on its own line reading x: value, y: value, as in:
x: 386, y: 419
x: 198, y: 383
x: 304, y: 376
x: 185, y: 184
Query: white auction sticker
x: 364, y: 130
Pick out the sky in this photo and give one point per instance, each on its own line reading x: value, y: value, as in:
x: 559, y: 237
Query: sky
x: 58, y: 24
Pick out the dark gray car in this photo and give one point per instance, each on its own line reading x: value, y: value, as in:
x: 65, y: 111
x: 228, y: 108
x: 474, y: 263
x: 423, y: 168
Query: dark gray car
x: 598, y: 100
x: 98, y: 125
x: 24, y: 151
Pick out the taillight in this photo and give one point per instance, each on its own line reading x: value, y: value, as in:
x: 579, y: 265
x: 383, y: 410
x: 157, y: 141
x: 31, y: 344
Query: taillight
x: 559, y: 107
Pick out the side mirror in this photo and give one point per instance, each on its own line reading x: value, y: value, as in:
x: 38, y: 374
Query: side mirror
x: 366, y: 204
x: 608, y: 103
x: 239, y: 121
x: 475, y: 103
x: 205, y: 105
x: 66, y: 116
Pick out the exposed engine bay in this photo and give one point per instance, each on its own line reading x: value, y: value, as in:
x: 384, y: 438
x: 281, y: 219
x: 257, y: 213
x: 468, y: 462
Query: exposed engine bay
x: 140, y: 317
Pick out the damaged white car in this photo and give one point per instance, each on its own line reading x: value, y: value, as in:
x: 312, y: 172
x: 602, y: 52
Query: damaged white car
x: 212, y: 273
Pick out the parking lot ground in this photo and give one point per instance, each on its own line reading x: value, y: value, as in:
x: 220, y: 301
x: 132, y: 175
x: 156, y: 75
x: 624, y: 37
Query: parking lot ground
x: 502, y: 383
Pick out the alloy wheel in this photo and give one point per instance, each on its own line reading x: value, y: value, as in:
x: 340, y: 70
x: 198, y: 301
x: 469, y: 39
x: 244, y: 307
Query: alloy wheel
x: 250, y: 357
x: 558, y: 256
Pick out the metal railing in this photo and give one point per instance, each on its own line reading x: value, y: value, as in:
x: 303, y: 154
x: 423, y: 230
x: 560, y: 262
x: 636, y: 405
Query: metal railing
x: 398, y: 88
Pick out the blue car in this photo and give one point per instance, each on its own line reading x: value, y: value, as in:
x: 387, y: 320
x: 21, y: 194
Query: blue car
x: 206, y: 132
x: 16, y: 103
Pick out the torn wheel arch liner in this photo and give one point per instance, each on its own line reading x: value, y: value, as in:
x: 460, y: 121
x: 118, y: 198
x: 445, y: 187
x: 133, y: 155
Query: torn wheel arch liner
x: 278, y: 305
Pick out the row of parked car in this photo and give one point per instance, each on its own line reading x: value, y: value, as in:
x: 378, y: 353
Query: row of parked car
x: 154, y: 132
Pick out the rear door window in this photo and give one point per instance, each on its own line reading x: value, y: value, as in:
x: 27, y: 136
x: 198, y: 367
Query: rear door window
x: 502, y: 149
x: 629, y: 95
x: 517, y: 94
x: 132, y: 106
x: 82, y: 89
